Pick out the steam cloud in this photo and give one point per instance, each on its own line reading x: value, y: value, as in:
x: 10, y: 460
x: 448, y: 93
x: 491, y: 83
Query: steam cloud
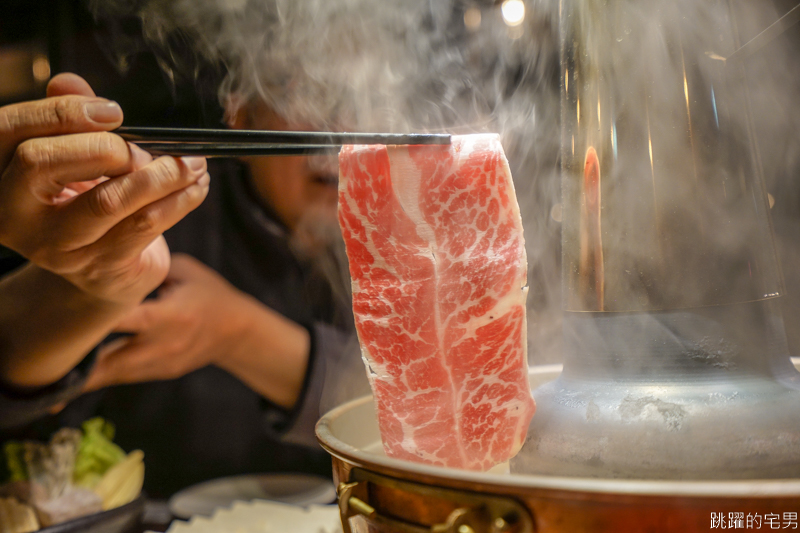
x: 414, y: 65
x: 407, y: 65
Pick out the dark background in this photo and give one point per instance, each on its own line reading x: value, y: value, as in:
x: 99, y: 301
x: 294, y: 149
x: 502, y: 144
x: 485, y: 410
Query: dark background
x: 67, y: 34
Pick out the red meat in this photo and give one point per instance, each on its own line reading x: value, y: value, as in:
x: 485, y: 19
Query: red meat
x: 438, y: 266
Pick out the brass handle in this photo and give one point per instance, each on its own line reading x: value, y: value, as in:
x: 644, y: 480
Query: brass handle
x: 475, y: 512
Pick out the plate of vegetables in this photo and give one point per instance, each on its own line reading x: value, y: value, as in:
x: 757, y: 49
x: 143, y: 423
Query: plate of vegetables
x: 78, y: 481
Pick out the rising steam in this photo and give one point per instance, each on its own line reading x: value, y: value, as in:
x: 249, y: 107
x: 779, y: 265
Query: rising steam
x: 401, y: 66
x: 450, y: 65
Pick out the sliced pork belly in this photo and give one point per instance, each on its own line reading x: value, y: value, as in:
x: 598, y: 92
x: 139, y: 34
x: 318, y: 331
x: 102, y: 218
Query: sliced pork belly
x: 438, y: 267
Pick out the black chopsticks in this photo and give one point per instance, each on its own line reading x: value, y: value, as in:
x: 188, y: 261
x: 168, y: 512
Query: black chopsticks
x: 232, y: 143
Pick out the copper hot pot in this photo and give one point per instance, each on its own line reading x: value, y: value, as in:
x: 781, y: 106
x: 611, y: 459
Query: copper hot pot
x: 378, y: 493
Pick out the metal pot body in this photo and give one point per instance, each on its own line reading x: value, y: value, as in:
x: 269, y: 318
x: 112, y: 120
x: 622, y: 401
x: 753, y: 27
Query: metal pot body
x: 692, y: 394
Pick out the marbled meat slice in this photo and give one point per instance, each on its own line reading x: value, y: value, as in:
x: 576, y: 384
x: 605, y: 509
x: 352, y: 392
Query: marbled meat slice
x: 438, y: 267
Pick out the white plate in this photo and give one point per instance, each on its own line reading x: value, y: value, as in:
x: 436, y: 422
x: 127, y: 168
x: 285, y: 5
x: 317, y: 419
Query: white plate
x: 297, y: 489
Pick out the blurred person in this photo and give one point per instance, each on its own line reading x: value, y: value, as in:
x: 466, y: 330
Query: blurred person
x: 221, y: 372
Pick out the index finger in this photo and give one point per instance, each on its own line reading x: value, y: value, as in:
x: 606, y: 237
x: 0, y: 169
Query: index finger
x: 58, y: 115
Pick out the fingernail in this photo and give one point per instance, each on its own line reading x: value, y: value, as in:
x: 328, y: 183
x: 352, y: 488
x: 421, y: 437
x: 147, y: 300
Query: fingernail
x: 104, y: 111
x: 195, y: 163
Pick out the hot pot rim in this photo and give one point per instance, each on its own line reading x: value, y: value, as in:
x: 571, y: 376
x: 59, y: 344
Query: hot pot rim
x: 757, y: 488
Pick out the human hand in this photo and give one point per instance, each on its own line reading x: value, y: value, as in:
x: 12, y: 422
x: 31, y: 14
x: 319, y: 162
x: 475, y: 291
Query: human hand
x: 200, y: 319
x: 196, y: 320
x: 84, y: 204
